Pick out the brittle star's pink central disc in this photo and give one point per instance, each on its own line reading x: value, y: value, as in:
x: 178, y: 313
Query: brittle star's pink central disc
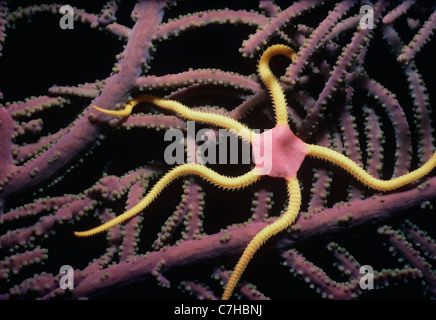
x: 278, y: 152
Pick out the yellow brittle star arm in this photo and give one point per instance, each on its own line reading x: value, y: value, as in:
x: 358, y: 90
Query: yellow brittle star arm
x: 185, y: 169
x: 366, y: 178
x: 282, y: 223
x: 187, y: 113
x: 271, y: 82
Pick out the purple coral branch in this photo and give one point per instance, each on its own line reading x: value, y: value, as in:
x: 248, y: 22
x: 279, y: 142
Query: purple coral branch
x: 394, y: 14
x: 216, y: 77
x: 338, y: 73
x: 375, y: 141
x: 315, y: 38
x: 407, y: 251
x: 417, y: 89
x: 419, y: 40
x: 255, y: 41
x: 175, y: 26
x: 424, y: 242
x: 332, y: 289
x: 396, y: 113
x: 117, y: 86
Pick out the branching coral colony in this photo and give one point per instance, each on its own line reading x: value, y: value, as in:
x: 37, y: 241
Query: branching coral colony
x: 288, y: 152
x: 322, y: 124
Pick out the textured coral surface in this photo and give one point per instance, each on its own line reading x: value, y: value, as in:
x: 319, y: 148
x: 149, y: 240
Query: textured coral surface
x: 365, y: 92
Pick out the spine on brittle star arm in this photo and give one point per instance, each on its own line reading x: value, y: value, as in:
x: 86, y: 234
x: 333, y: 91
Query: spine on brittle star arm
x: 271, y: 82
x: 366, y: 178
x: 282, y: 223
x: 195, y: 169
x: 200, y: 116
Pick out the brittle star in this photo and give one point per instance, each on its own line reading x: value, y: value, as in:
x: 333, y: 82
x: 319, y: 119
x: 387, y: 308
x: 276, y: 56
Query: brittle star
x: 287, y: 152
